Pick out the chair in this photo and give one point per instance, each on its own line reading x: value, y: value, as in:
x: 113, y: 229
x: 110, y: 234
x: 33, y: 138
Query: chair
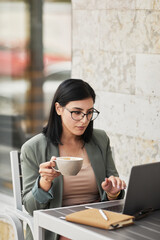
x: 17, y: 215
x: 16, y: 223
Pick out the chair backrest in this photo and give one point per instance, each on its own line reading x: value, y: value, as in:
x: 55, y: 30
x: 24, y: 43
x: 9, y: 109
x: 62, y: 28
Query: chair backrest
x: 16, y: 179
x: 19, y: 212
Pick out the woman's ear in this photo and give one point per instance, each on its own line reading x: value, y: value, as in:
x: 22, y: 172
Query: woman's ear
x: 58, y: 108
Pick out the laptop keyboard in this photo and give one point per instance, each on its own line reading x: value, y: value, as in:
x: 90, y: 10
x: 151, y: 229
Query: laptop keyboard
x: 118, y: 208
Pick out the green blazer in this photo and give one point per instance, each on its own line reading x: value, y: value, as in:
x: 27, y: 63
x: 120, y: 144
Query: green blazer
x: 38, y: 150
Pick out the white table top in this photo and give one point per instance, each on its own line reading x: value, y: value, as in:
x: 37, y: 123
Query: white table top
x: 146, y: 228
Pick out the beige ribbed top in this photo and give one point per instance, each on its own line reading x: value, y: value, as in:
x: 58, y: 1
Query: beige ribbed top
x: 81, y: 188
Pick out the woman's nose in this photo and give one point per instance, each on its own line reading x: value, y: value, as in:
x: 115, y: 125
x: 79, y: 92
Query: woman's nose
x: 84, y: 119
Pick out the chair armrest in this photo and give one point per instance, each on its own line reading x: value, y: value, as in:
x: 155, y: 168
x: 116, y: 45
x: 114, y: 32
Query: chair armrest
x: 16, y: 224
x: 23, y: 216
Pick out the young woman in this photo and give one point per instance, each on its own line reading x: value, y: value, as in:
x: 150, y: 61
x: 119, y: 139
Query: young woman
x: 69, y: 132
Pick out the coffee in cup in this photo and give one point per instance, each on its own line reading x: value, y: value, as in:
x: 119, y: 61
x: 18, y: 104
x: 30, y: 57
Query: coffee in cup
x: 68, y: 166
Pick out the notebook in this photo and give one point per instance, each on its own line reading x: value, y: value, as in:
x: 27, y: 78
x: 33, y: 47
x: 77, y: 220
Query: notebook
x: 100, y: 219
x: 143, y: 191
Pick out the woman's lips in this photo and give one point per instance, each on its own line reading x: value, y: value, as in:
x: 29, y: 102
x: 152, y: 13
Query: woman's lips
x: 81, y: 127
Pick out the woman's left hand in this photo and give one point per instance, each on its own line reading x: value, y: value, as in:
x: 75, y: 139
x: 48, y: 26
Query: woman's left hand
x: 113, y: 185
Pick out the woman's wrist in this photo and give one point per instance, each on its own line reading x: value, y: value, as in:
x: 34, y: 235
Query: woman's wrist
x: 45, y: 184
x: 113, y: 196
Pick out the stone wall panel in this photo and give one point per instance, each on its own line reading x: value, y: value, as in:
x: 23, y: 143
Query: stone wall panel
x: 148, y: 4
x: 130, y: 115
x: 116, y: 48
x: 110, y: 71
x: 131, y: 31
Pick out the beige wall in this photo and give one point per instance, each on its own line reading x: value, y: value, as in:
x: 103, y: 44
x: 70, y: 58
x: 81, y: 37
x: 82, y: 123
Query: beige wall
x: 116, y: 48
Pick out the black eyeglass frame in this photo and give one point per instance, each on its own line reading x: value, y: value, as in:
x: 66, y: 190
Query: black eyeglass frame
x: 84, y: 114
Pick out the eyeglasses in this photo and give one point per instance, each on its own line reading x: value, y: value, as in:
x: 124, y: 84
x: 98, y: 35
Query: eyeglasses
x: 78, y: 115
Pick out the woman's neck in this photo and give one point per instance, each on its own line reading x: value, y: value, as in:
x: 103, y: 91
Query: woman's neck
x: 70, y: 139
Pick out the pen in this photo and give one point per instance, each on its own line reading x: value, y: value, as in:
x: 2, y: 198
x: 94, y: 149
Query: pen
x: 103, y: 214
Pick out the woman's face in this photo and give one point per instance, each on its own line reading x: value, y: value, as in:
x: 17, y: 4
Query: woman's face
x: 69, y: 125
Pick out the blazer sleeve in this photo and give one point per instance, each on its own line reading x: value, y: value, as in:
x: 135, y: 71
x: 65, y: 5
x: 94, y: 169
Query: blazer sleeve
x: 33, y: 197
x: 103, y: 142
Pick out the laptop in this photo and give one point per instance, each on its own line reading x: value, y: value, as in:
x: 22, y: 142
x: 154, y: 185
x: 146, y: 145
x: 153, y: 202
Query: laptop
x: 143, y: 191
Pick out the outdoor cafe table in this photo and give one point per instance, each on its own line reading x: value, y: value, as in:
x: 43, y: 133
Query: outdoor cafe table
x: 147, y: 228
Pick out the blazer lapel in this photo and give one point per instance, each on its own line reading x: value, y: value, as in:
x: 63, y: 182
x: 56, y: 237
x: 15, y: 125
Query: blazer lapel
x: 96, y: 159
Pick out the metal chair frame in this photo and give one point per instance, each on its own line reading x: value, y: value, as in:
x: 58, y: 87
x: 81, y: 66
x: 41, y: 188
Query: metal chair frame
x: 17, y: 216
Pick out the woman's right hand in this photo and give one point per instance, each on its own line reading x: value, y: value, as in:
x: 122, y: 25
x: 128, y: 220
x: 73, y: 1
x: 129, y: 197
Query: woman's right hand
x: 48, y: 174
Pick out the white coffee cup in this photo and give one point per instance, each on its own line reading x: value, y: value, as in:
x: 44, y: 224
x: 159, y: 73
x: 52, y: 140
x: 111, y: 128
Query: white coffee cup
x: 69, y: 166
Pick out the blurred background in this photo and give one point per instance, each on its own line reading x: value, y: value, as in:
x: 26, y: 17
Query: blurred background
x: 35, y: 56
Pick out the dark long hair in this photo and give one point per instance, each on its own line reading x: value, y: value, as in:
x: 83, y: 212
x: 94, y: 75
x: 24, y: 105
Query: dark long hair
x: 68, y: 90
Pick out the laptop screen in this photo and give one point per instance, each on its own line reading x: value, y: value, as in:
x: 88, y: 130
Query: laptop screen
x: 143, y: 191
